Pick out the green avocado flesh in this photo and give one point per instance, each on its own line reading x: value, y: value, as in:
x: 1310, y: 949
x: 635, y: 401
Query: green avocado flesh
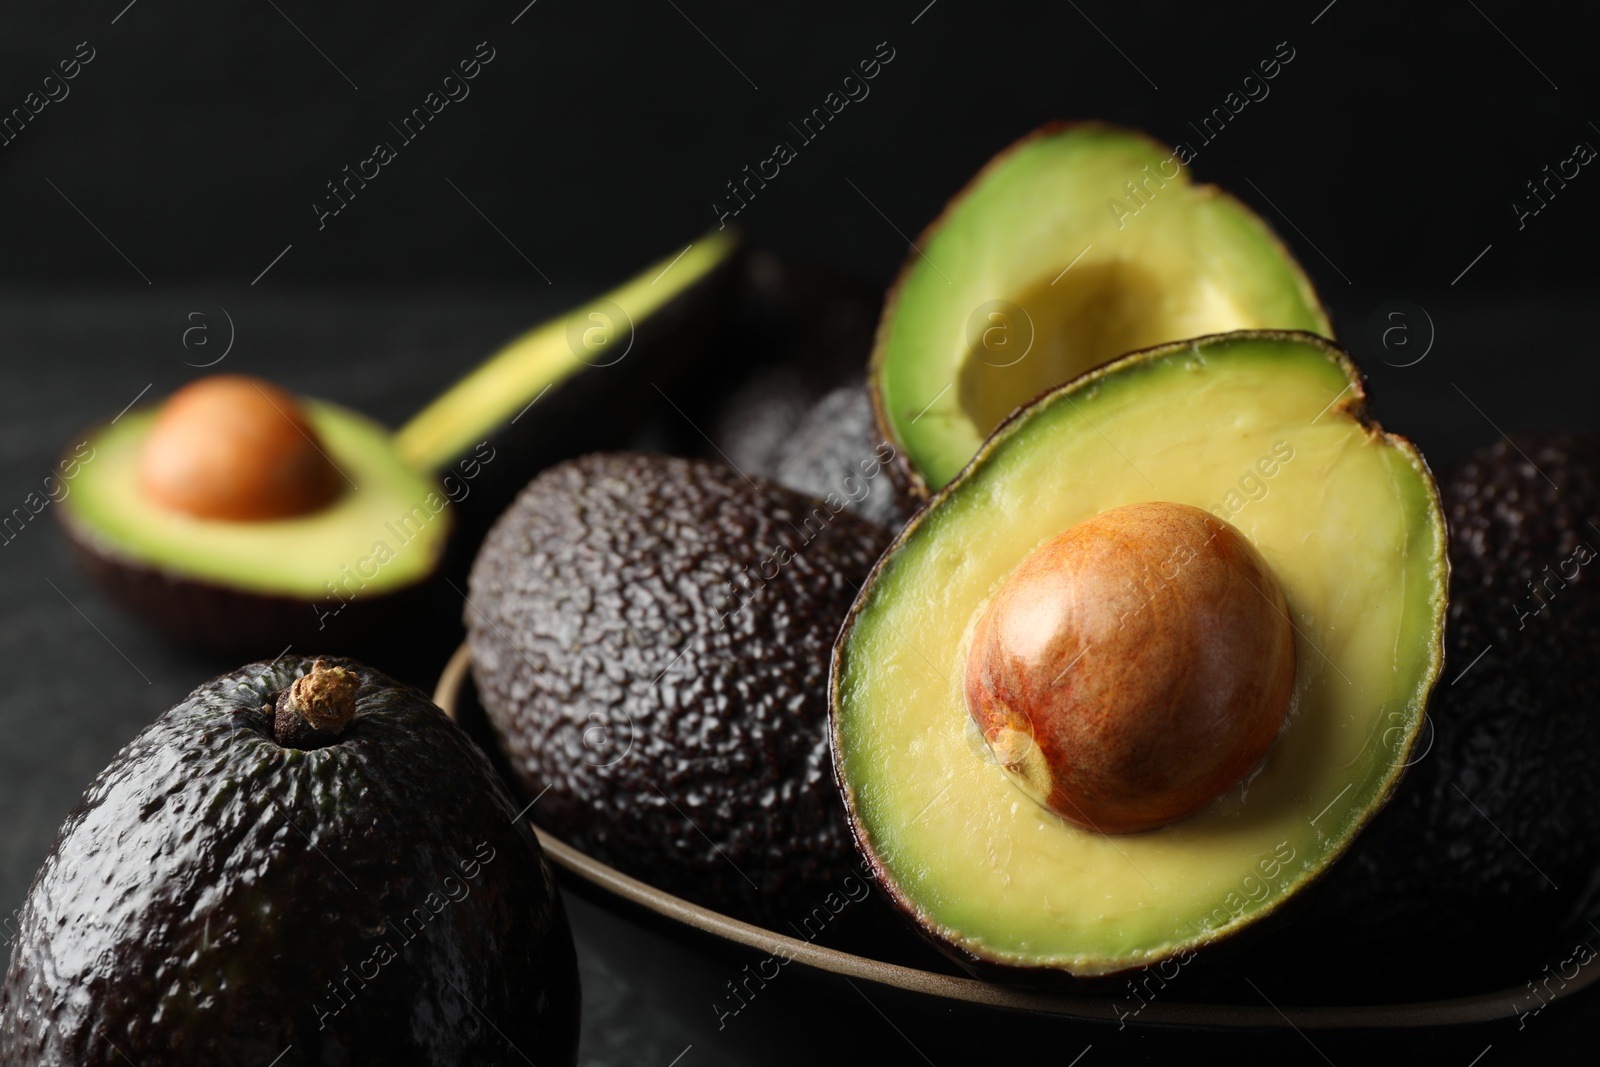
x: 1264, y: 429
x: 386, y: 530
x: 1051, y: 263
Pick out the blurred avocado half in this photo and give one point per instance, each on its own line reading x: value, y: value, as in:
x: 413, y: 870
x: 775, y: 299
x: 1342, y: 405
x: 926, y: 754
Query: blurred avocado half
x: 238, y: 517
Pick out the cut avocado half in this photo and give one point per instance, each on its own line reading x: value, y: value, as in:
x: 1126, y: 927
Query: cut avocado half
x: 252, y: 584
x: 1266, y: 430
x: 302, y: 556
x: 1077, y: 244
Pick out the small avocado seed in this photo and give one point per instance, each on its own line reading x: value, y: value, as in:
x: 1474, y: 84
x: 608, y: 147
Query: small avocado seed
x: 236, y: 448
x: 1133, y: 668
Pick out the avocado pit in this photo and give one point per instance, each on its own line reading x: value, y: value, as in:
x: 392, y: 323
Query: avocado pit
x: 238, y: 449
x: 1134, y: 667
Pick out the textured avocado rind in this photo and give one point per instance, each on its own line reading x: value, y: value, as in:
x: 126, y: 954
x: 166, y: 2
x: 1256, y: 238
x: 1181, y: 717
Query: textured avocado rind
x: 836, y: 449
x: 650, y: 639
x: 215, y: 898
x: 222, y: 619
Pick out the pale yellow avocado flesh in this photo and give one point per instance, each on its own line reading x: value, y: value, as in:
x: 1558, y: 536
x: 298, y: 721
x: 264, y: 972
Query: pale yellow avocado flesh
x: 384, y: 531
x: 1073, y: 247
x: 1265, y: 430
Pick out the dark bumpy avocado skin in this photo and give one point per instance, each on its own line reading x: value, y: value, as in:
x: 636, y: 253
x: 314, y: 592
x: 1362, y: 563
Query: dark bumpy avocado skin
x: 217, y: 899
x: 1454, y: 885
x: 668, y: 730
x: 837, y: 449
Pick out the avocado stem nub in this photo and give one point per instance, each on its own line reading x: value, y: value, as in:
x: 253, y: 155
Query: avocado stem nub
x: 316, y: 707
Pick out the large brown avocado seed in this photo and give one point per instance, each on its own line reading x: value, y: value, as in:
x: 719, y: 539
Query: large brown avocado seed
x: 1134, y: 667
x: 236, y: 448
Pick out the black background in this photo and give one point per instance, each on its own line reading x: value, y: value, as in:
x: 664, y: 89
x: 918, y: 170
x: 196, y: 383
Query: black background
x: 200, y: 135
x: 190, y: 151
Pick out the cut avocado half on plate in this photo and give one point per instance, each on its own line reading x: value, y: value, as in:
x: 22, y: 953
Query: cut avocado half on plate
x: 251, y: 518
x: 1262, y: 432
x: 1077, y: 244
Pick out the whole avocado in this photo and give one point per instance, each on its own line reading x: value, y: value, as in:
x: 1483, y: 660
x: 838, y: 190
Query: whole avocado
x: 831, y: 450
x: 814, y: 330
x: 303, y: 862
x: 1486, y: 859
x: 650, y: 639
